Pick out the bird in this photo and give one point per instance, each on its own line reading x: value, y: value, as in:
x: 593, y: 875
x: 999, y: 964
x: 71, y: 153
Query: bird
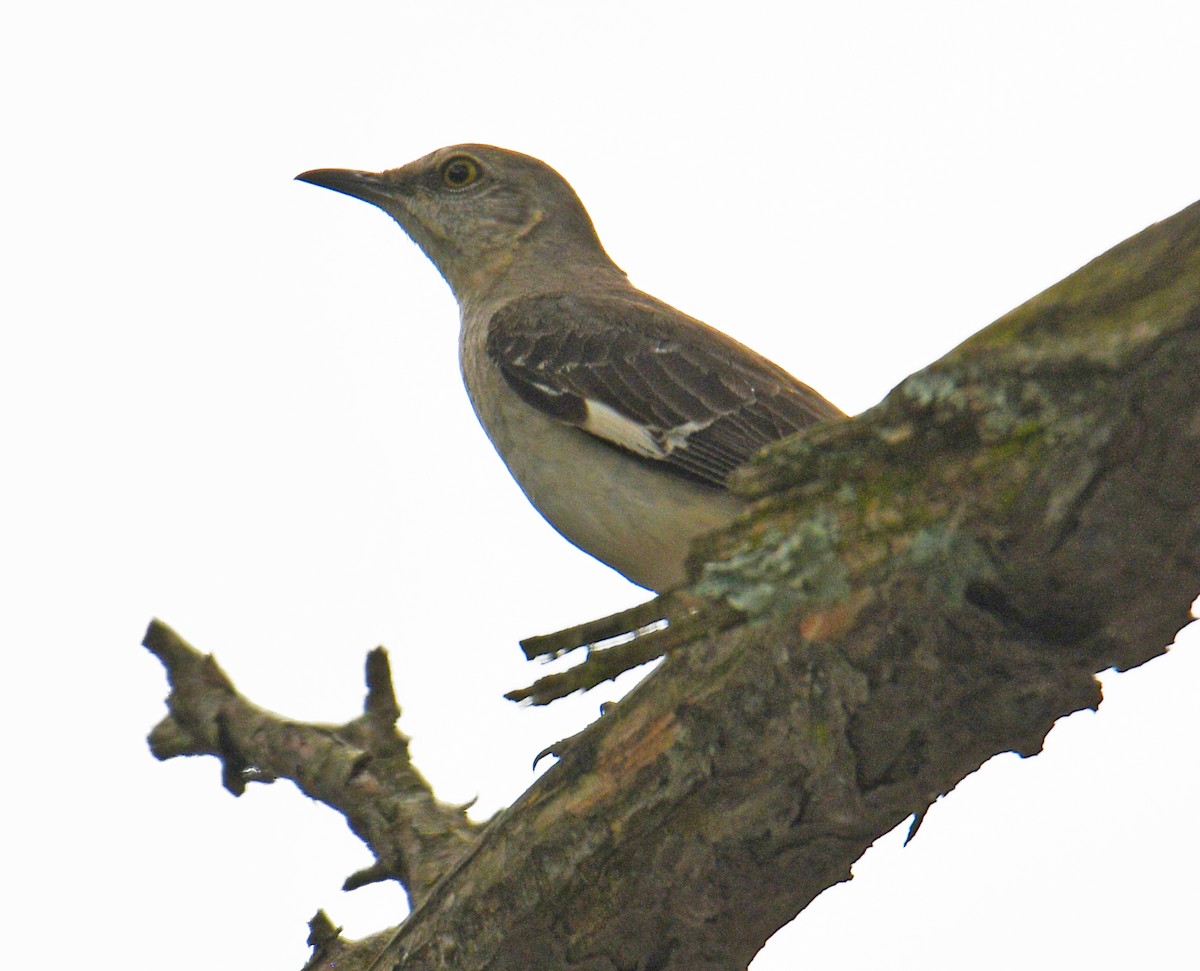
x: 620, y: 417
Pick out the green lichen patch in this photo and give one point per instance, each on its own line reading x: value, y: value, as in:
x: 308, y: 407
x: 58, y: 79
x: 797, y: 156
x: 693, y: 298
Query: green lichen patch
x: 1117, y: 304
x: 780, y: 569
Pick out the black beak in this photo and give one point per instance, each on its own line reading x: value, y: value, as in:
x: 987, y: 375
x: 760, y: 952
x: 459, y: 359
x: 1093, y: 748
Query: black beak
x: 373, y: 187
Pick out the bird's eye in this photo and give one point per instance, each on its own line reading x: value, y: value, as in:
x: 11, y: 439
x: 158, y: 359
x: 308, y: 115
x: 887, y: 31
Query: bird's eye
x: 459, y: 172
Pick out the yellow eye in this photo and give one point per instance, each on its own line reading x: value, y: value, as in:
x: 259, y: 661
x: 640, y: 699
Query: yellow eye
x: 459, y: 172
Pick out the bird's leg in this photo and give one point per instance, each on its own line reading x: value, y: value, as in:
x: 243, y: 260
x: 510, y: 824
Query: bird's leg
x: 626, y: 622
x: 667, y: 622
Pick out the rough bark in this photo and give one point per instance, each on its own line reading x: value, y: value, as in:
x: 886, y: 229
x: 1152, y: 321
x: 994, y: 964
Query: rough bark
x: 922, y: 587
x: 361, y: 769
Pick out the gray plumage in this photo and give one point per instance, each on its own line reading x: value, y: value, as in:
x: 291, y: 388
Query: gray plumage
x: 619, y: 416
x: 705, y: 403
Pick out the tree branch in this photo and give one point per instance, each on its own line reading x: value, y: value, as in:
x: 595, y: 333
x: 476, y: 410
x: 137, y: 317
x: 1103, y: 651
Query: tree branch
x: 923, y: 587
x: 361, y: 769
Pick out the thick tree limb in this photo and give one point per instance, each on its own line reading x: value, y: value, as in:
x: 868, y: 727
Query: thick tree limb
x: 924, y: 586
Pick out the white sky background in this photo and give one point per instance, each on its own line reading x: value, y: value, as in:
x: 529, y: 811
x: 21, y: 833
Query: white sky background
x: 232, y: 400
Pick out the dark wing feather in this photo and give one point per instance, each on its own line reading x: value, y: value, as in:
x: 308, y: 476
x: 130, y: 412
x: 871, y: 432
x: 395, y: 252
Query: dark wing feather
x: 640, y: 375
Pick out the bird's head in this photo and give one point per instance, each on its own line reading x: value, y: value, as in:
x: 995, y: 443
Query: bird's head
x: 482, y: 214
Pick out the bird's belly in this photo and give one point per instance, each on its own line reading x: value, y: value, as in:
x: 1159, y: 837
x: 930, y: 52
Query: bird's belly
x: 638, y: 519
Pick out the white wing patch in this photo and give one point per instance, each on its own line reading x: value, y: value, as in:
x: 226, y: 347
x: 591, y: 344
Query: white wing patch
x: 606, y: 422
x: 676, y: 438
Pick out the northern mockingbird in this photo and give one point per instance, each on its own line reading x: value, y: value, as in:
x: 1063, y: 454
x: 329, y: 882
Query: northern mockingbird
x: 619, y: 417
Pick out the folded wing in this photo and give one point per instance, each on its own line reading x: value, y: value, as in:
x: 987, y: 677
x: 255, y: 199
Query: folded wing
x: 641, y: 376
